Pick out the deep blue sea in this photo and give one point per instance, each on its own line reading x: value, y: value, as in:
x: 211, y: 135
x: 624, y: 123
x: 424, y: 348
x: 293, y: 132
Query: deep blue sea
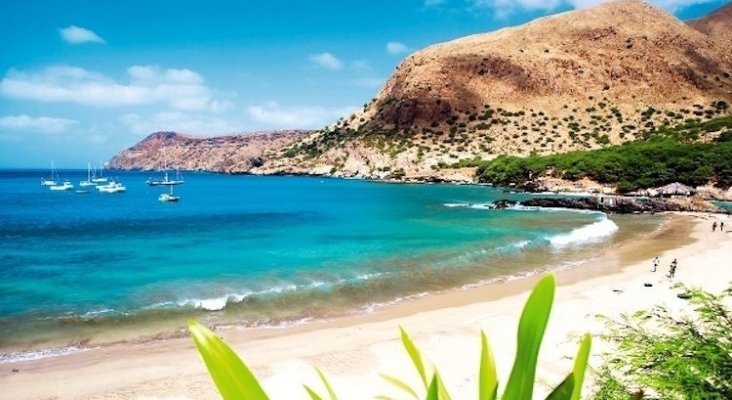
x: 258, y: 250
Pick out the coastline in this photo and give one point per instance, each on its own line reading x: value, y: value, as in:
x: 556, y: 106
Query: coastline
x: 352, y: 350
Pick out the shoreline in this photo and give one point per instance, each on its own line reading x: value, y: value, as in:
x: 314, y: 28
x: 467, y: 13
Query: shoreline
x: 143, y: 333
x: 352, y: 349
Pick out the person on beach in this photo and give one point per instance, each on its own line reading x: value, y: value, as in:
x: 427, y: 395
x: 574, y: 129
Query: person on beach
x: 721, y: 226
x: 655, y: 265
x: 672, y: 268
x: 714, y: 226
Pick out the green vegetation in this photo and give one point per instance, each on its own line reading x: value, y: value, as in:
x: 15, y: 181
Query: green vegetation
x: 234, y: 380
x: 664, y: 356
x: 665, y: 156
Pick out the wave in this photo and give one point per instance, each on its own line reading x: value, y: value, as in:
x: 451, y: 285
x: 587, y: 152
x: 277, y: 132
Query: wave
x: 20, y: 356
x: 590, y: 233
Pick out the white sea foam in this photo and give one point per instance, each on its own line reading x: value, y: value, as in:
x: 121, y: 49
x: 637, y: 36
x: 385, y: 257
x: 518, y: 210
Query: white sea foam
x: 39, y: 354
x: 590, y: 233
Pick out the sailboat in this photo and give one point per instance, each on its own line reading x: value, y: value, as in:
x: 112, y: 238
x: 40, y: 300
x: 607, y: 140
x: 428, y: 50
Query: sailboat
x: 62, y: 187
x: 169, y: 197
x: 88, y: 181
x: 52, y: 180
x: 112, y: 187
x: 166, y: 181
x: 101, y: 178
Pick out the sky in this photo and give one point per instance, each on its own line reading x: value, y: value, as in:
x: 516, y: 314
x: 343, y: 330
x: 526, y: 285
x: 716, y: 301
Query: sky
x: 81, y: 80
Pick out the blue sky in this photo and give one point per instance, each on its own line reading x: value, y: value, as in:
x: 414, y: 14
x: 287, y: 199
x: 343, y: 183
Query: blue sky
x: 81, y: 80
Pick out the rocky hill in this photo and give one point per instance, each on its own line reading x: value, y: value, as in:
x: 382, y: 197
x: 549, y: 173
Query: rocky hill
x: 230, y: 154
x: 578, y: 80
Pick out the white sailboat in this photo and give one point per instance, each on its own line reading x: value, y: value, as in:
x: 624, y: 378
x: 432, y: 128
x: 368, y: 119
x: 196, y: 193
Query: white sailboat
x: 52, y: 180
x: 169, y: 197
x: 62, y: 187
x: 88, y: 181
x: 100, y: 178
x: 112, y: 187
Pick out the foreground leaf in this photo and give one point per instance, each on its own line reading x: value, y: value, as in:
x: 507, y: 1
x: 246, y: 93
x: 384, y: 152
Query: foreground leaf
x: 232, y: 377
x: 532, y: 325
x: 564, y: 390
x: 398, y: 383
x: 580, y: 365
x: 433, y: 391
x: 415, y: 355
x: 487, y: 381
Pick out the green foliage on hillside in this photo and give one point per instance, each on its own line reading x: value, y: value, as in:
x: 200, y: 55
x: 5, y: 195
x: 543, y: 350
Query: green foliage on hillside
x: 665, y: 156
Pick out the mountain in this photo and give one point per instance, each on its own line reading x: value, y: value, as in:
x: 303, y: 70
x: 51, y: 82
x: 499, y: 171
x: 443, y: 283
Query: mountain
x: 579, y: 80
x: 230, y: 154
x: 717, y: 25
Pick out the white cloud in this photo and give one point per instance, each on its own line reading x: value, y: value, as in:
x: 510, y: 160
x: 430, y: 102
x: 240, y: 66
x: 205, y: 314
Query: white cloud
x: 327, y: 60
x: 180, y: 89
x: 176, y: 121
x: 396, y: 48
x: 36, y: 124
x: 76, y: 35
x: 272, y: 113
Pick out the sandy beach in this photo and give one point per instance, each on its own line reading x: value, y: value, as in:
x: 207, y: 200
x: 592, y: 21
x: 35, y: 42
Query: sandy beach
x: 354, y: 350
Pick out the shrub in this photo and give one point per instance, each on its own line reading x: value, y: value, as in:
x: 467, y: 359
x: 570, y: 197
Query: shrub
x: 673, y: 357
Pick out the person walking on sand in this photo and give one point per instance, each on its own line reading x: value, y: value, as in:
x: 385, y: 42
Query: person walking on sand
x: 672, y: 268
x: 655, y: 265
x: 714, y: 226
x: 721, y: 226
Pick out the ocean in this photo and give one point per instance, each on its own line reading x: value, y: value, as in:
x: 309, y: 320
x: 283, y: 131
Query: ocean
x: 87, y: 269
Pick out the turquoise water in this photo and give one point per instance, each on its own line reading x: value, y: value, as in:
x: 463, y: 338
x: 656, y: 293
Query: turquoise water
x: 256, y: 250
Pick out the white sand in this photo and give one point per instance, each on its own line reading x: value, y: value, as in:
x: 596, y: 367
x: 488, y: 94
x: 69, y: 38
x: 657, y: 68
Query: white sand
x: 353, y: 351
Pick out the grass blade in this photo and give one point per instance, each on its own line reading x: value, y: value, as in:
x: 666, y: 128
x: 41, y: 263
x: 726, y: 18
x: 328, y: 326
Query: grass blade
x: 531, y: 329
x: 398, y: 383
x: 487, y: 381
x: 327, y: 384
x: 313, y: 395
x: 232, y: 377
x: 433, y: 391
x: 415, y: 355
x: 564, y: 390
x: 580, y: 365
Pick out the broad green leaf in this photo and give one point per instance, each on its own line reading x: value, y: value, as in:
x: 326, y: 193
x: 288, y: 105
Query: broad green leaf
x: 531, y: 329
x: 415, y: 355
x: 580, y: 365
x: 487, y: 381
x: 433, y: 391
x: 401, y: 385
x: 232, y: 377
x: 564, y: 390
x: 312, y: 393
x: 327, y: 384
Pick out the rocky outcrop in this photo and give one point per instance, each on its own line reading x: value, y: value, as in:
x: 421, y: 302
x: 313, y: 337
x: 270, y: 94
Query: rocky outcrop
x: 229, y: 154
x: 624, y: 205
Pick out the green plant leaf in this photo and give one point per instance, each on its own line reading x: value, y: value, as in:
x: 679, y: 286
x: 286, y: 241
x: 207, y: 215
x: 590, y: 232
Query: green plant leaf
x: 564, y: 390
x: 531, y: 329
x: 580, y: 365
x: 415, y: 355
x: 232, y: 377
x: 327, y: 384
x: 442, y: 388
x: 401, y: 385
x: 487, y: 381
x: 433, y: 391
x: 313, y: 395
